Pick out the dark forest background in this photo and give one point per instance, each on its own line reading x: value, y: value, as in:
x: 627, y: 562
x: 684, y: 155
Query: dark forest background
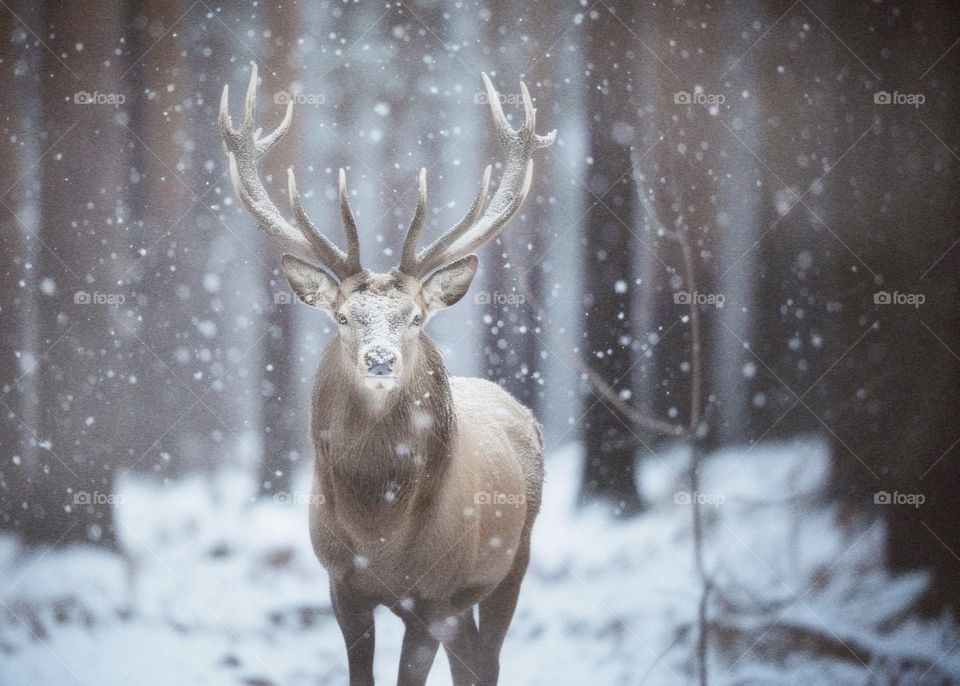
x: 145, y: 326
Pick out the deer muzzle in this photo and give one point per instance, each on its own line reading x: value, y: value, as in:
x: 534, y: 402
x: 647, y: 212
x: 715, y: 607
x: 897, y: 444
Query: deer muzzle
x: 381, y: 368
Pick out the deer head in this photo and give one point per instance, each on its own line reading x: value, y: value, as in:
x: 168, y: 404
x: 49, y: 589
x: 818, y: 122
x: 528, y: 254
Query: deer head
x: 380, y: 315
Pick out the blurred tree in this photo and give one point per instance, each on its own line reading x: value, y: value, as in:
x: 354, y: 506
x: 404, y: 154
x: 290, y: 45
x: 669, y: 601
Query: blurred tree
x: 897, y: 387
x: 792, y: 121
x: 609, y: 444
x: 207, y: 292
x: 510, y: 354
x: 19, y: 193
x: 84, y: 400
x: 282, y: 425
x: 159, y: 194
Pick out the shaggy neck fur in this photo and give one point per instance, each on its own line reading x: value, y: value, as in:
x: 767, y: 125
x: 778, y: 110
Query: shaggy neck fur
x: 383, y: 456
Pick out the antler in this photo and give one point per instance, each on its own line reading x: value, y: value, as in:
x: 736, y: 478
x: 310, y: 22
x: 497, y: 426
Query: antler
x: 475, y: 228
x: 245, y: 147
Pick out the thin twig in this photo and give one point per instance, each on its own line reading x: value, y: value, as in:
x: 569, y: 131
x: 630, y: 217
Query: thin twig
x: 679, y: 637
x: 696, y: 436
x: 693, y: 431
x: 591, y: 375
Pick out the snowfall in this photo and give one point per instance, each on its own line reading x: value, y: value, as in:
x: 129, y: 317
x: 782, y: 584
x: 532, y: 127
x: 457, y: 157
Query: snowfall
x: 214, y: 587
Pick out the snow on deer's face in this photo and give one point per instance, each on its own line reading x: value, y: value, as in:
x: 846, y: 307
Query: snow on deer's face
x: 379, y: 316
x: 379, y: 323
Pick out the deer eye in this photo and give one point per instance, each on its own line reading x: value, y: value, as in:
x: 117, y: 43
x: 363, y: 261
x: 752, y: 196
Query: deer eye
x: 342, y: 318
x: 417, y: 320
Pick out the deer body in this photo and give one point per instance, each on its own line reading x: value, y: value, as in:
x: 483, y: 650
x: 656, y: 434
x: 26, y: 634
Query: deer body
x: 411, y: 489
x: 425, y: 487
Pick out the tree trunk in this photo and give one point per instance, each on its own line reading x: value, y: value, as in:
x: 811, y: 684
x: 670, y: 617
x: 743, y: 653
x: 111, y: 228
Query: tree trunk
x: 281, y: 415
x: 84, y: 387
x: 19, y: 103
x: 896, y: 391
x: 609, y: 443
x: 160, y: 194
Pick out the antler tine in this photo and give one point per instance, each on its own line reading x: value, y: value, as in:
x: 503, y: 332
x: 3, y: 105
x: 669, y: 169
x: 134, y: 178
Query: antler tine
x: 432, y: 256
x: 245, y: 146
x: 474, y: 230
x: 267, y: 142
x: 250, y: 101
x: 323, y: 246
x: 226, y: 125
x: 408, y: 259
x: 496, y: 109
x: 349, y: 223
x: 530, y: 121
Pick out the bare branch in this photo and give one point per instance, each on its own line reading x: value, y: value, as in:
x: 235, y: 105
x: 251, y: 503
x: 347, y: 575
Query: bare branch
x: 594, y: 378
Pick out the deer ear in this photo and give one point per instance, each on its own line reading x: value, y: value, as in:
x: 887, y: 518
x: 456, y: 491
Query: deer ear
x: 446, y: 286
x: 313, y: 285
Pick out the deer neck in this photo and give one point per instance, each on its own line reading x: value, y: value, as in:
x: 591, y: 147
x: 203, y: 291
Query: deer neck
x: 383, y: 455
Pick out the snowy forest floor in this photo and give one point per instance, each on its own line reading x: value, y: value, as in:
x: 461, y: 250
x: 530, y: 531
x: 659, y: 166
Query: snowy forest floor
x: 215, y: 589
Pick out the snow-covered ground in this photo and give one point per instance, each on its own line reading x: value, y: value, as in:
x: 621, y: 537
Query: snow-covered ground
x: 218, y: 590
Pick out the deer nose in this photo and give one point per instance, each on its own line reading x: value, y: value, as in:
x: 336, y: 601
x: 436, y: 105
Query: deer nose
x: 380, y: 362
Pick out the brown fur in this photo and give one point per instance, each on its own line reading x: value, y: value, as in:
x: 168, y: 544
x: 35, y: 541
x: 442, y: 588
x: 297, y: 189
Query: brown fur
x: 399, y: 514
x: 470, y: 449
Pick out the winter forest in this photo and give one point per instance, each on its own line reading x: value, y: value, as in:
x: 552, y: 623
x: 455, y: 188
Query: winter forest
x: 730, y: 298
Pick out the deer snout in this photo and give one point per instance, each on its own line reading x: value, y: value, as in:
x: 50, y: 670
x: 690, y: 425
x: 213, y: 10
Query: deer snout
x: 380, y: 362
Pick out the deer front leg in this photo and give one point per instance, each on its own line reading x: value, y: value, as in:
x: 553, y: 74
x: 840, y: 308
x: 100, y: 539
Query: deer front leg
x: 462, y: 651
x: 496, y: 613
x: 417, y: 653
x: 355, y: 616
